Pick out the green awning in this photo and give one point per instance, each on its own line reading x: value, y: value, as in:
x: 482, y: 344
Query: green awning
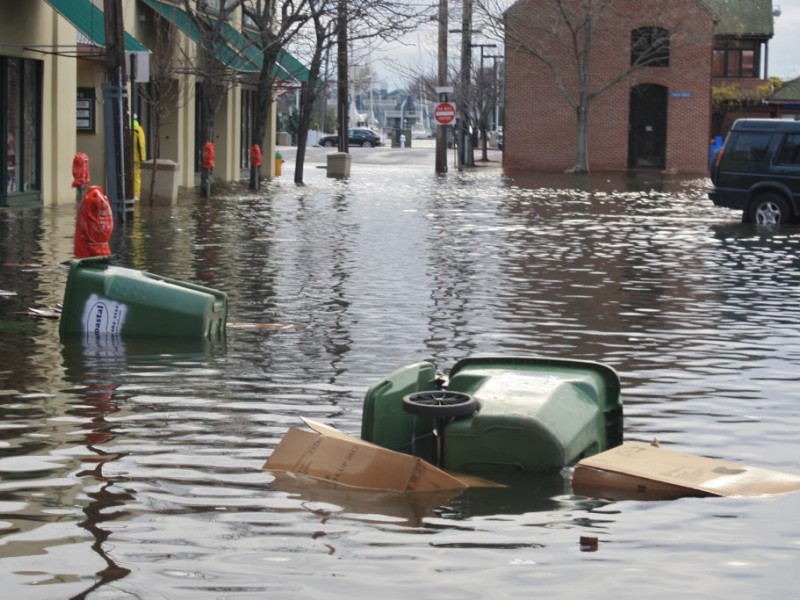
x: 90, y: 21
x: 183, y: 21
x: 238, y: 51
x: 286, y: 67
x: 292, y: 66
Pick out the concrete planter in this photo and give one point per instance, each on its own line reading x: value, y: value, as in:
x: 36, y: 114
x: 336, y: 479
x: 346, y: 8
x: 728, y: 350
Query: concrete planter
x: 165, y: 192
x: 339, y: 164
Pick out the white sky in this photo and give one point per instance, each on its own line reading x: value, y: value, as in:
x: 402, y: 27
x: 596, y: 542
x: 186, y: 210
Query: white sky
x: 418, y: 55
x: 784, y: 48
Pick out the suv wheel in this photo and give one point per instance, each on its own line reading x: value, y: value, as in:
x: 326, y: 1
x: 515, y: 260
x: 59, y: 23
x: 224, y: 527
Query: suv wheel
x: 366, y: 144
x: 769, y: 209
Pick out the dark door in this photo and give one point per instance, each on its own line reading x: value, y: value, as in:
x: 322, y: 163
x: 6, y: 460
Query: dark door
x: 648, y: 127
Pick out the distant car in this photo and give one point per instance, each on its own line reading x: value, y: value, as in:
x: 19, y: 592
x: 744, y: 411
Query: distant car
x: 757, y: 171
x: 365, y: 138
x: 500, y: 140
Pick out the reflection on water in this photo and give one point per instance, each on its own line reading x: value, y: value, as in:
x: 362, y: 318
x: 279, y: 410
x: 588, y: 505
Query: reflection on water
x: 133, y: 468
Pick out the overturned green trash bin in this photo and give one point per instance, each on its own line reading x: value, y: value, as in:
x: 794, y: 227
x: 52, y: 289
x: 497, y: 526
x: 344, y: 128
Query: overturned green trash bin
x: 101, y: 299
x: 497, y: 414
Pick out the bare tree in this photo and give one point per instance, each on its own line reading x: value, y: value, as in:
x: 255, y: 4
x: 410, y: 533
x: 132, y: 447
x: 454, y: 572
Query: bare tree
x: 217, y: 66
x: 560, y: 35
x: 276, y: 23
x: 322, y: 37
x: 162, y: 94
x: 484, y: 97
x: 367, y: 20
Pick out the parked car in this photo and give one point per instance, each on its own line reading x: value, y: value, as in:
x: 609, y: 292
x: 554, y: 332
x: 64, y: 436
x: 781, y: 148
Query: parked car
x: 356, y: 137
x: 757, y: 171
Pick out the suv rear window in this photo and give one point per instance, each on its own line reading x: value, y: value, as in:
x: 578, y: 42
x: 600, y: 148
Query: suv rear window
x: 790, y: 151
x: 749, y: 149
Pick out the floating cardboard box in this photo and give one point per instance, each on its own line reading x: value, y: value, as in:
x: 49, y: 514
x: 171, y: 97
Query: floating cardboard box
x: 645, y: 472
x: 337, y: 458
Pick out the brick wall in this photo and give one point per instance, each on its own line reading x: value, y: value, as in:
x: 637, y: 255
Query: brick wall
x: 540, y: 125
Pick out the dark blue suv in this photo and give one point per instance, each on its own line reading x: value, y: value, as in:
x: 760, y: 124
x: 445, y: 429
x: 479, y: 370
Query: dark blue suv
x: 757, y: 171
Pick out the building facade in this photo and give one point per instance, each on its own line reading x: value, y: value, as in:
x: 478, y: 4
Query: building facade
x: 651, y: 102
x: 52, y: 70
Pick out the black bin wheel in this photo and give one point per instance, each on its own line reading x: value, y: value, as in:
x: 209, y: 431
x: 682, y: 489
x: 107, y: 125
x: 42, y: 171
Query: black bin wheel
x: 440, y: 404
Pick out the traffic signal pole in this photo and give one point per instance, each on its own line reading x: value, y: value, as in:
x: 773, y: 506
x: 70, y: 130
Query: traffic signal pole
x: 115, y: 107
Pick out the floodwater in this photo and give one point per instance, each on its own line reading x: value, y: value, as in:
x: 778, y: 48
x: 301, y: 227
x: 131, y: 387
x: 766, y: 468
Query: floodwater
x: 134, y: 471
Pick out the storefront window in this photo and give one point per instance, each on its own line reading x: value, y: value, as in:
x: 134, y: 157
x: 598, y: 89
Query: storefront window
x: 30, y: 125
x: 20, y: 106
x: 12, y: 120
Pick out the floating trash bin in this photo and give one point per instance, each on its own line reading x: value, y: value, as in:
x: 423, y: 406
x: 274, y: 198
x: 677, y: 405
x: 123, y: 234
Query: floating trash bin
x: 101, y: 300
x: 533, y: 414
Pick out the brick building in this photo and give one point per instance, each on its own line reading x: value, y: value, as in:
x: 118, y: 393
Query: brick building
x: 655, y: 114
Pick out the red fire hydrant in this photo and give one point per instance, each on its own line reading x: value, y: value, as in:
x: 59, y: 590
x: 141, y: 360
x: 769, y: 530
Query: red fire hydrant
x: 94, y: 224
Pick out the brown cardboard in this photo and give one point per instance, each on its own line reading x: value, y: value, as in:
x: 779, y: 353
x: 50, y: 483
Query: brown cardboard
x: 330, y: 455
x: 642, y: 471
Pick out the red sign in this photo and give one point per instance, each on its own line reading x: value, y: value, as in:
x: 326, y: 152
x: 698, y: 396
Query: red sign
x: 444, y: 113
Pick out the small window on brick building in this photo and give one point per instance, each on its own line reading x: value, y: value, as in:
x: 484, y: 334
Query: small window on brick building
x: 650, y: 47
x: 736, y: 58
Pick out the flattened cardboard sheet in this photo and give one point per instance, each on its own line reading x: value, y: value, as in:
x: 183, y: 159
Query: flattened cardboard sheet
x: 642, y: 471
x: 333, y: 456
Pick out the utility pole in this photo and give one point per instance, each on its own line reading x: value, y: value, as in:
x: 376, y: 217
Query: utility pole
x: 465, y: 157
x: 441, y: 130
x: 116, y: 107
x: 342, y: 84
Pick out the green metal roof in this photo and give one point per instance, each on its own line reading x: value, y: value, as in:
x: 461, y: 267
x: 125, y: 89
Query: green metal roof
x: 742, y: 18
x: 90, y: 21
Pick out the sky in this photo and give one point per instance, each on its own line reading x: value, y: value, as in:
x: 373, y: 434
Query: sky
x: 419, y: 50
x: 784, y: 47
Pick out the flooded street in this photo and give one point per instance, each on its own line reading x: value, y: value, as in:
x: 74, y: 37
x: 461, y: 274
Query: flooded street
x: 134, y: 471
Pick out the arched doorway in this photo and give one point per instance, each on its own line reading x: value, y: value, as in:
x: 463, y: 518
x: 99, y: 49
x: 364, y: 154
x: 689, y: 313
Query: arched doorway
x: 647, y: 140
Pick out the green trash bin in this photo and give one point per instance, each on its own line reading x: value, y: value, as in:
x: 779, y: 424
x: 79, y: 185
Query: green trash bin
x: 101, y: 299
x: 533, y: 414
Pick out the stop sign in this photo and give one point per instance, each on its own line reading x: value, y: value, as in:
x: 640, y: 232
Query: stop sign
x: 444, y: 113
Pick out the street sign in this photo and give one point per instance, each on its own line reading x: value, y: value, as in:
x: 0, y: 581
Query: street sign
x: 444, y: 113
x: 447, y: 89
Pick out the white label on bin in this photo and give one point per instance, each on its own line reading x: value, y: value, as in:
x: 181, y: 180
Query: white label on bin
x: 102, y: 316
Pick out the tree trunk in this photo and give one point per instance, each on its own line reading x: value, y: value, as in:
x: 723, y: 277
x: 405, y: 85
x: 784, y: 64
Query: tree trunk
x: 581, y: 152
x: 307, y: 97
